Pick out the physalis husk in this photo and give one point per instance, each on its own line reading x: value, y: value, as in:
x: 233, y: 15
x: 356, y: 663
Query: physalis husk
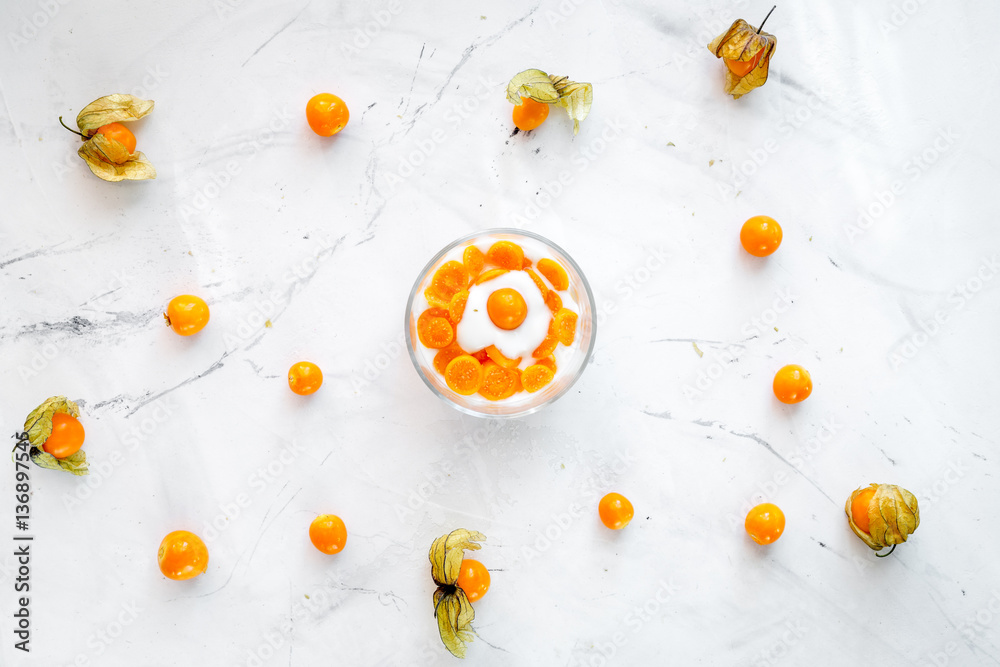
x: 38, y: 428
x: 107, y: 157
x: 747, y: 53
x: 575, y: 98
x: 892, y: 515
x: 452, y: 608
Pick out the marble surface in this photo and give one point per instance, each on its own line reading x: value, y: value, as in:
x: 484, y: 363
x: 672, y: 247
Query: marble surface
x: 873, y: 143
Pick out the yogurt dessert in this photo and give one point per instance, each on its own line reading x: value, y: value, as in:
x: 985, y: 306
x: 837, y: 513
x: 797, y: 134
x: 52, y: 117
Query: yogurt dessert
x: 495, y: 323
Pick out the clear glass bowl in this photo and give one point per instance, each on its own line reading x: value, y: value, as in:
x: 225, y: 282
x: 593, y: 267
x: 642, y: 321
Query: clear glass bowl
x: 571, y: 361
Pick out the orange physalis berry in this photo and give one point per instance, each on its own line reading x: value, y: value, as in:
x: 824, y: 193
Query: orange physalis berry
x: 490, y: 275
x: 496, y: 355
x: 760, y: 235
x: 743, y: 67
x: 548, y: 362
x: 182, y: 555
x: 765, y: 523
x: 119, y: 133
x: 553, y: 301
x: 498, y: 382
x: 535, y: 377
x: 554, y: 273
x: 542, y: 287
x: 792, y: 384
x: 506, y: 255
x: 445, y: 355
x: 186, y: 314
x: 473, y: 579
x: 457, y: 306
x: 328, y: 533
x: 327, y: 114
x: 433, y: 328
x: 565, y: 326
x: 464, y: 375
x: 305, y: 378
x: 66, y: 437
x: 859, y: 508
x: 506, y: 308
x: 529, y: 114
x: 450, y: 278
x: 435, y: 300
x: 615, y: 511
x: 474, y: 260
x: 548, y: 345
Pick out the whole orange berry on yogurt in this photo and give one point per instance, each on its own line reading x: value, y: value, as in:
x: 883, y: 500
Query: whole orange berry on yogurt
x: 506, y: 308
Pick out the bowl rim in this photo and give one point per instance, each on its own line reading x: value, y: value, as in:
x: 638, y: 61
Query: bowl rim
x: 410, y: 346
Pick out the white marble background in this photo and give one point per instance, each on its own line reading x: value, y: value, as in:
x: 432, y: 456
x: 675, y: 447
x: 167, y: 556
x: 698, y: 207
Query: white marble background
x: 325, y: 236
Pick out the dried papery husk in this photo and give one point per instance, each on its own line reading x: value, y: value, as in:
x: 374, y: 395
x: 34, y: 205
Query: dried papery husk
x: 115, y: 108
x: 38, y: 427
x: 576, y: 98
x: 111, y: 161
x: 893, y: 515
x: 108, y: 158
x: 454, y: 614
x: 452, y: 608
x: 743, y: 43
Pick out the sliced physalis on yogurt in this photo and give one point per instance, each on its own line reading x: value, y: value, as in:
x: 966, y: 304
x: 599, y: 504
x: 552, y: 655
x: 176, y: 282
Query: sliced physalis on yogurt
x: 496, y: 320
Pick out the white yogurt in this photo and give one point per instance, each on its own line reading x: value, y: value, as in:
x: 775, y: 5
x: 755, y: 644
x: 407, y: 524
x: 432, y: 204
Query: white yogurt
x: 477, y: 331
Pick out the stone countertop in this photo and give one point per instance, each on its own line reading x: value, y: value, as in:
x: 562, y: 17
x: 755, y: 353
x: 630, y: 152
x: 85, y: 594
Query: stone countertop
x: 873, y: 144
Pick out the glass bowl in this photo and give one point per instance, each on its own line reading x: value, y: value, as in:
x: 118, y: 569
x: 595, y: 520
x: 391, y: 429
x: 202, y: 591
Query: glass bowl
x: 571, y: 361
